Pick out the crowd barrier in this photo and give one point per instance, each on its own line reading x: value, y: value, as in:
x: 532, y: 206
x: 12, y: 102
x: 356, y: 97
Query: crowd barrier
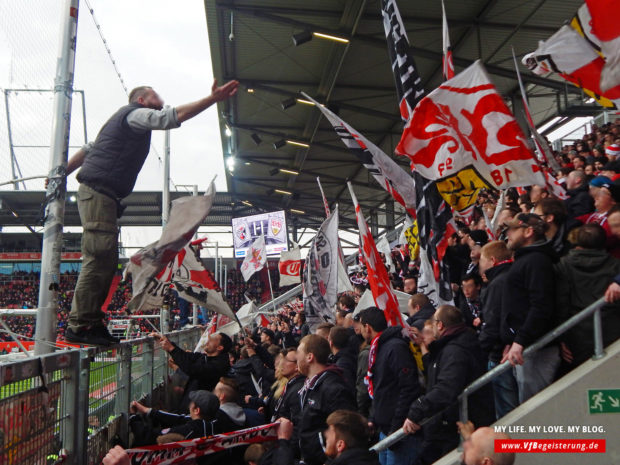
x: 71, y: 405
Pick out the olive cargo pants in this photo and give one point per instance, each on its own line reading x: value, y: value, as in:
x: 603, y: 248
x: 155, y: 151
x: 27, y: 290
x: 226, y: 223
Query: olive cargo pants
x: 99, y: 257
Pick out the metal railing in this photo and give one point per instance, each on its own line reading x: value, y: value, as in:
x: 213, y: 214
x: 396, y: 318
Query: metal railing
x: 593, y: 310
x: 87, y: 404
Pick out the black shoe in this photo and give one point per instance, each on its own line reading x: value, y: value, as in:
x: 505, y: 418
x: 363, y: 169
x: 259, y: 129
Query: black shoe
x: 95, y: 335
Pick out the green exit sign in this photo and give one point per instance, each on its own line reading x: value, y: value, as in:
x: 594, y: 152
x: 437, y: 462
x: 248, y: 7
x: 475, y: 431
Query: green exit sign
x: 604, y: 400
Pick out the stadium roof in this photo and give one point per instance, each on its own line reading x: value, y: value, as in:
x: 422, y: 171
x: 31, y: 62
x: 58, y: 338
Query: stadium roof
x: 24, y: 208
x: 251, y: 41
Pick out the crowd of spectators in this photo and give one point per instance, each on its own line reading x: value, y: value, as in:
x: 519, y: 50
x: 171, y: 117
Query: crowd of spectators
x: 524, y: 262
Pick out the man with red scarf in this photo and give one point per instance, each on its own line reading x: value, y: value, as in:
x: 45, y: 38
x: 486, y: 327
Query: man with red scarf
x: 392, y: 384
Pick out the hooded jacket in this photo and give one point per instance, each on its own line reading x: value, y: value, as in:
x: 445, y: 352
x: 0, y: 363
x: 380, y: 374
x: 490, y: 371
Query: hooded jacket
x: 426, y: 312
x: 395, y: 381
x: 454, y: 361
x: 582, y: 278
x: 320, y: 396
x: 491, y: 298
x: 528, y: 303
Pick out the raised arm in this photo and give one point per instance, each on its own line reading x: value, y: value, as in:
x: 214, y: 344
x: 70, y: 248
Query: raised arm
x: 189, y: 110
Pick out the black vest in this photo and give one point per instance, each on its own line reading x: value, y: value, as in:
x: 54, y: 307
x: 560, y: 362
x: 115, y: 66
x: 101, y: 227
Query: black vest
x: 117, y: 156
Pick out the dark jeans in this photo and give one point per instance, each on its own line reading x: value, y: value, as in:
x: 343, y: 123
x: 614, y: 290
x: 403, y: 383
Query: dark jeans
x: 505, y: 392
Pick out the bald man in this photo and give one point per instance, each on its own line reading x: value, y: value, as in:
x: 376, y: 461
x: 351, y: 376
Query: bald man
x: 479, y: 448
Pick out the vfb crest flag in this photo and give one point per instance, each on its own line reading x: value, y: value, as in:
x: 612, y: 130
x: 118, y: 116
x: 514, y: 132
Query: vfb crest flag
x: 255, y: 259
x: 463, y: 136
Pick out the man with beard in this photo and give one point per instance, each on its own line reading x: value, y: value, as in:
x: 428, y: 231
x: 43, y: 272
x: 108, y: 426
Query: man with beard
x: 324, y: 392
x: 346, y: 440
x: 528, y: 304
x: 454, y: 361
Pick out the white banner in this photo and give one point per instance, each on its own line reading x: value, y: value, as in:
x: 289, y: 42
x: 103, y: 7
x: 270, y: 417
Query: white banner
x: 321, y: 272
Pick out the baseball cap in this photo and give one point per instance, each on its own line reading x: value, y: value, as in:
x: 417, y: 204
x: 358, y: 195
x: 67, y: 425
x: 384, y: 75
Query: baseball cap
x: 479, y: 237
x: 206, y: 401
x: 269, y: 333
x: 600, y: 181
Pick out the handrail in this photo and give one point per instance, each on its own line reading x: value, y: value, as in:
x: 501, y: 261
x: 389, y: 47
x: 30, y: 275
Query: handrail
x: 593, y: 309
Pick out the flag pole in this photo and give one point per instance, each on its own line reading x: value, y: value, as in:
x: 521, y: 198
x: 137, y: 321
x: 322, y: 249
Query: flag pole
x: 271, y: 287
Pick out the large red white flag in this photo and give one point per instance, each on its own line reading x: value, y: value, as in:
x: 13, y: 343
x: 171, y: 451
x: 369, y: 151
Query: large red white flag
x: 150, y: 267
x: 448, y: 66
x: 255, y: 258
x: 605, y: 25
x: 576, y: 58
x: 464, y: 137
x: 182, y: 452
x: 389, y: 174
x: 378, y: 279
x: 320, y: 287
x: 289, y: 267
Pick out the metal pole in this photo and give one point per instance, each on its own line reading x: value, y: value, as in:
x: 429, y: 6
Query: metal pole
x: 273, y: 302
x: 194, y: 314
x: 165, y: 196
x: 225, y: 279
x: 599, y: 351
x: 57, y: 187
x: 221, y: 270
x: 8, y: 125
x: 216, y: 255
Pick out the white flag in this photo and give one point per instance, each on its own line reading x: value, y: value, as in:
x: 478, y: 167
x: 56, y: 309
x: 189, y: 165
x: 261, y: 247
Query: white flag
x: 289, y: 267
x: 195, y: 284
x: 255, y: 258
x: 321, y: 272
x: 151, y: 267
x: 383, y: 246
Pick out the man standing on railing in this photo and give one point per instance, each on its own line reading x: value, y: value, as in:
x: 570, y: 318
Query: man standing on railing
x: 528, y: 304
x: 454, y: 361
x: 109, y: 169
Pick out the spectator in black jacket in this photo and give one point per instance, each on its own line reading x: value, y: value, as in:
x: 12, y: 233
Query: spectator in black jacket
x: 553, y: 211
x: 454, y: 361
x: 495, y: 261
x: 392, y: 383
x: 361, y: 390
x: 579, y: 201
x: 346, y: 440
x: 199, y: 423
x: 204, y: 370
x: 342, y: 357
x: 324, y: 391
x: 419, y: 309
x: 582, y: 277
x: 528, y: 305
x: 470, y: 304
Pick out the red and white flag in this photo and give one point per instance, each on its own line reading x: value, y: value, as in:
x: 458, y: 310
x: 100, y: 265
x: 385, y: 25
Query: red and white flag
x: 463, y: 136
x: 448, y: 66
x: 575, y: 59
x: 605, y: 23
x: 185, y: 452
x: 289, y: 267
x: 378, y: 278
x: 151, y: 268
x: 255, y: 258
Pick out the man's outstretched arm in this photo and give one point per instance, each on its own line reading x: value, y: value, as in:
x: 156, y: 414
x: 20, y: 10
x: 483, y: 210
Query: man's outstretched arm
x: 189, y: 110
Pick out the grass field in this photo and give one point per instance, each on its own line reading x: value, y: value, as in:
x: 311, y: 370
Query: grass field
x: 101, y: 374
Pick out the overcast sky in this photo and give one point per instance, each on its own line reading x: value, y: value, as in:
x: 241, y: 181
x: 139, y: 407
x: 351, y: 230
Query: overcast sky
x: 159, y: 43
